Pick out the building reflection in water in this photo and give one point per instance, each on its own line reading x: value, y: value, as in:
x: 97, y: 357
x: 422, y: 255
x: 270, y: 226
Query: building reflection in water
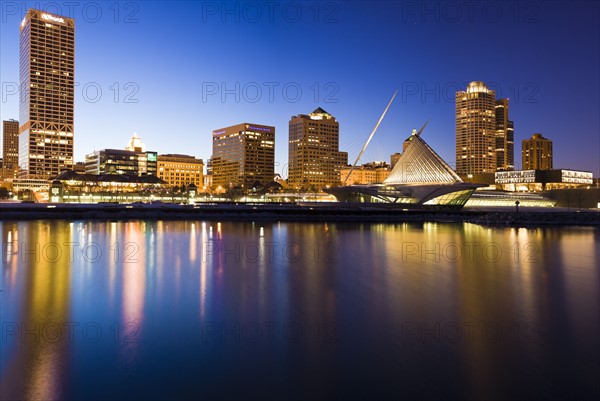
x: 352, y: 289
x: 37, y: 366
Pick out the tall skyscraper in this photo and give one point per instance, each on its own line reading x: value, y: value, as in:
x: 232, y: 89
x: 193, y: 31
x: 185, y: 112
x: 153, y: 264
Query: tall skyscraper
x: 47, y: 63
x: 536, y: 153
x: 243, y: 154
x: 475, y: 130
x: 314, y: 157
x: 505, y: 138
x: 484, y: 134
x: 10, y: 146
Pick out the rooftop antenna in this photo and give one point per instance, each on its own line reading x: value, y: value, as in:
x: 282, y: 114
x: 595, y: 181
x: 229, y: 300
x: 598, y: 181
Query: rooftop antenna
x: 370, y: 137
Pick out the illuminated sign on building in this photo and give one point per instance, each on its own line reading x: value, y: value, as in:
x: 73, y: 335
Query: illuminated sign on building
x: 252, y: 127
x: 52, y: 18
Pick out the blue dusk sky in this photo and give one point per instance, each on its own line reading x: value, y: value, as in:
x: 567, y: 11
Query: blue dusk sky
x: 175, y: 71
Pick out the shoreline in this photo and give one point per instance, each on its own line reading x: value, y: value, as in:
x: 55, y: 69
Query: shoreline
x: 293, y: 212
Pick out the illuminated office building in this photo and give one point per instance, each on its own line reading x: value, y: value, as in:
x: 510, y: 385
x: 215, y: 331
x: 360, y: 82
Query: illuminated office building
x: 10, y: 147
x: 484, y: 134
x: 541, y: 180
x: 314, y: 157
x: 536, y: 153
x: 47, y: 61
x: 505, y: 137
x: 181, y: 170
x: 243, y: 155
x: 117, y: 161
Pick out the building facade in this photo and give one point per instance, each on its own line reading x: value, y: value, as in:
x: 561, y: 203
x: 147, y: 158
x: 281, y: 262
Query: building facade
x: 536, y: 153
x: 314, y: 157
x: 541, y: 180
x: 394, y: 159
x: 368, y: 173
x: 505, y: 137
x: 47, y: 67
x: 10, y: 148
x: 243, y: 155
x: 484, y: 133
x: 181, y: 170
x: 117, y: 161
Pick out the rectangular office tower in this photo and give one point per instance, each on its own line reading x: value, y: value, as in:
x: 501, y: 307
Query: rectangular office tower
x: 10, y: 147
x: 505, y: 138
x: 536, y: 153
x: 314, y: 157
x: 47, y: 61
x: 243, y: 156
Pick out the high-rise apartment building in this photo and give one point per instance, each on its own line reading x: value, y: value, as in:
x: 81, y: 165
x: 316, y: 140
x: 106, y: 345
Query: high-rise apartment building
x: 505, y: 137
x: 10, y: 147
x: 484, y: 134
x: 314, y: 157
x: 243, y: 155
x: 536, y: 153
x: 47, y: 64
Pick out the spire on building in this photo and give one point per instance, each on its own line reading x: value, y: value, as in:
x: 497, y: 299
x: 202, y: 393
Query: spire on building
x: 136, y: 144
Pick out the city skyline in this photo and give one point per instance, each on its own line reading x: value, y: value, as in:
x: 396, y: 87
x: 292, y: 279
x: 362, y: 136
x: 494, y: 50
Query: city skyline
x: 429, y: 93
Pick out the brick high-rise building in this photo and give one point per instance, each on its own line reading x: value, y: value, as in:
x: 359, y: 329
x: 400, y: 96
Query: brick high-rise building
x: 314, y: 157
x: 243, y: 155
x: 47, y: 64
x: 536, y: 153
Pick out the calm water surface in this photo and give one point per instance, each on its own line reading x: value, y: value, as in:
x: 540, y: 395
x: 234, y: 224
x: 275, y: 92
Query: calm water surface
x: 150, y: 310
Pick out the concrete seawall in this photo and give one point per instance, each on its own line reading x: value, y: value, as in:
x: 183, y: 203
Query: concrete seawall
x: 290, y: 212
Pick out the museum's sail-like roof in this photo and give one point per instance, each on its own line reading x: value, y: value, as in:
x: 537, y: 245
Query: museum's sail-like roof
x: 419, y: 164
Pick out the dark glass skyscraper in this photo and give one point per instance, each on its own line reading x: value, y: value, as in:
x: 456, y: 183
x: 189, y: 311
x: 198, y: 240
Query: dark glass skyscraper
x: 505, y: 137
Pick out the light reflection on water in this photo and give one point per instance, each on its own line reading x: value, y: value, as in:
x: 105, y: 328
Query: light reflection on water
x: 150, y: 309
